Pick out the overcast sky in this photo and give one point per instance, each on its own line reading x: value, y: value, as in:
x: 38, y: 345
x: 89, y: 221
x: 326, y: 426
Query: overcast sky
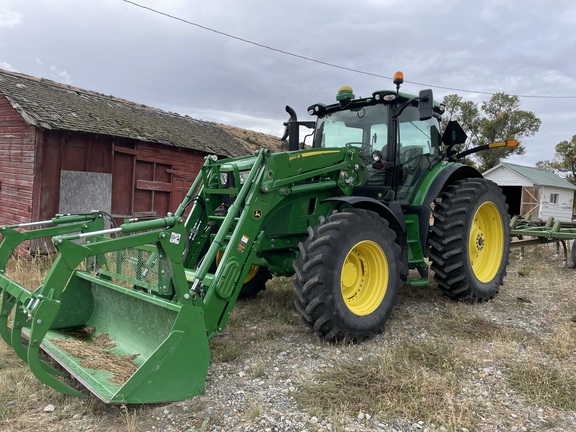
x: 523, y: 47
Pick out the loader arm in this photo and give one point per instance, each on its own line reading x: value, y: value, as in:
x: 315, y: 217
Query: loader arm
x: 272, y: 178
x: 153, y: 288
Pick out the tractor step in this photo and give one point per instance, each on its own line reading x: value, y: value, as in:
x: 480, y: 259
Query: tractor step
x: 418, y: 282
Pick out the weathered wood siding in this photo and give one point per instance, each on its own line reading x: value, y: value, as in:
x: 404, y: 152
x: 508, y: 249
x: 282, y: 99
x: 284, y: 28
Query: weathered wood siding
x: 560, y: 210
x: 62, y: 150
x: 154, y: 178
x: 148, y: 179
x: 17, y: 157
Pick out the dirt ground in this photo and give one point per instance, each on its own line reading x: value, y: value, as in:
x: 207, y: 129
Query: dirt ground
x: 257, y: 382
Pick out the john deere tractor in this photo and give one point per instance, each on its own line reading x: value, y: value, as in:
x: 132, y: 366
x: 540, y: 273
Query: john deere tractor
x: 376, y: 195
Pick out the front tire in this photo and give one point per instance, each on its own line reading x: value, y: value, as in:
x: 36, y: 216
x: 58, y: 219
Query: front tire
x: 470, y: 240
x: 254, y: 282
x: 255, y: 279
x: 348, y: 275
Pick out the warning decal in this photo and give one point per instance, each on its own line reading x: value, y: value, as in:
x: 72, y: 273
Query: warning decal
x: 243, y: 242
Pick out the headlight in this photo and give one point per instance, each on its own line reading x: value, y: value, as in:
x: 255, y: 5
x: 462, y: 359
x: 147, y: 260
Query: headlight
x: 227, y: 178
x: 243, y: 176
x: 223, y: 179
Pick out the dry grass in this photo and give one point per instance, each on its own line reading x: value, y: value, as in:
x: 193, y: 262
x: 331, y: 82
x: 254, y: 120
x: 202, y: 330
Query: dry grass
x: 20, y: 392
x: 268, y: 318
x: 449, y: 364
x: 561, y: 344
x: 411, y: 379
x: 547, y: 383
x: 29, y: 271
x: 97, y: 357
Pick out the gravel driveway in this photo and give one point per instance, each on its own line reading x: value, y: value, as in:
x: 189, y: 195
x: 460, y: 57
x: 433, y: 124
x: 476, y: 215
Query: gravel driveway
x: 257, y: 388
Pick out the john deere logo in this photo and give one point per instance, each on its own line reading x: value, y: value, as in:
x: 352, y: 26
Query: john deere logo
x: 257, y: 214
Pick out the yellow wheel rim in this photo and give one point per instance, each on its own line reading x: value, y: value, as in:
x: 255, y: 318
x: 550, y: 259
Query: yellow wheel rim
x: 486, y: 242
x: 251, y: 273
x: 364, y: 278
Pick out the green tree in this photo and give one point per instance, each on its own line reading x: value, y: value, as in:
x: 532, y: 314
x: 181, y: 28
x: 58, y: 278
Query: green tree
x: 564, y: 161
x: 498, y: 119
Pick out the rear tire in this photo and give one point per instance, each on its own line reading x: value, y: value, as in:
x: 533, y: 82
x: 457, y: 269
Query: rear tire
x: 470, y: 240
x: 348, y: 275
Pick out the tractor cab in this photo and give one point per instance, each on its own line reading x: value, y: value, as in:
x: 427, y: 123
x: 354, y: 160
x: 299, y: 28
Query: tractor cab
x: 398, y: 136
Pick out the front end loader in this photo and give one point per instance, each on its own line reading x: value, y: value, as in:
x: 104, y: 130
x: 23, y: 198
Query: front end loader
x: 127, y: 311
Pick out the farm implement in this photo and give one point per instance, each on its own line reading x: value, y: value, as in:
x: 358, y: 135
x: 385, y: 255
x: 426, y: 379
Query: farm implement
x: 127, y: 312
x: 533, y: 232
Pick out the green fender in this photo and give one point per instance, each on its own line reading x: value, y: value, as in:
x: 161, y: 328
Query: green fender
x: 440, y: 175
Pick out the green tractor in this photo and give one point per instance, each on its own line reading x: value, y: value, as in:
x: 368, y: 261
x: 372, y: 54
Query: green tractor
x: 377, y: 195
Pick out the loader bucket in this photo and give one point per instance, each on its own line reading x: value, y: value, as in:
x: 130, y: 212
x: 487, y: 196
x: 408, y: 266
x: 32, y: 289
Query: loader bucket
x: 114, y: 334
x: 126, y: 346
x: 127, y: 311
x: 123, y: 345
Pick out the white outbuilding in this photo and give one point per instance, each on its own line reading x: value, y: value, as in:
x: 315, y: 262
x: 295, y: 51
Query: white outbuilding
x: 532, y: 191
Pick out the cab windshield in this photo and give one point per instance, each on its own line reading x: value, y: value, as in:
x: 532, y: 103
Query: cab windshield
x: 417, y: 149
x: 367, y: 127
x: 363, y: 126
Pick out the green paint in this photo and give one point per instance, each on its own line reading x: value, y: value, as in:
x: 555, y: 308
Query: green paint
x: 153, y: 287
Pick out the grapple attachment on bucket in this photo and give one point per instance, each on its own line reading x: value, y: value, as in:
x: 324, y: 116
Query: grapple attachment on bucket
x: 96, y: 316
x: 128, y: 311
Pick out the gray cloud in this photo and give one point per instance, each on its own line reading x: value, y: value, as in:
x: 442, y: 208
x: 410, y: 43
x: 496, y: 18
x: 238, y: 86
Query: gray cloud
x: 9, y: 19
x: 519, y: 47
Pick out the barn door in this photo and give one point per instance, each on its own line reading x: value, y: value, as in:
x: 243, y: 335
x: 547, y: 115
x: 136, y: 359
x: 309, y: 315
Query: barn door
x: 142, y: 188
x: 180, y: 188
x: 530, y: 205
x: 152, y: 189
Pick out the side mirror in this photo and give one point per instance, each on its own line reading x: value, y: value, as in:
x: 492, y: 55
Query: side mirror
x: 426, y: 105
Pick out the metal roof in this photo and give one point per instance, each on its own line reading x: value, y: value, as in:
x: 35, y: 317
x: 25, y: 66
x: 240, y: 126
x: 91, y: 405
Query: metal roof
x: 50, y: 105
x: 539, y: 177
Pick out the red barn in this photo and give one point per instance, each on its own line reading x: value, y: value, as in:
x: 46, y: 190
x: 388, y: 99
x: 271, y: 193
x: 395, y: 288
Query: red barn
x: 66, y: 150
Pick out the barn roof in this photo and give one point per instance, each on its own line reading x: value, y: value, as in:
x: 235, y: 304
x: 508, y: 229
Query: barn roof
x: 539, y: 177
x: 51, y: 105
